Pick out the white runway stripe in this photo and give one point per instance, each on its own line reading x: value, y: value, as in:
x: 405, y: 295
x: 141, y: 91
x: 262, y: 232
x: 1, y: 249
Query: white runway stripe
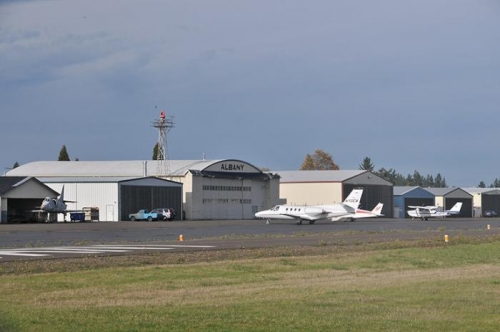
x: 95, y: 249
x: 16, y: 253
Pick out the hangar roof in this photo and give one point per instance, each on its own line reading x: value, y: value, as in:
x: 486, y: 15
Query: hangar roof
x: 485, y: 191
x: 328, y: 176
x: 317, y: 176
x: 9, y: 183
x: 447, y: 191
x: 126, y: 168
x: 99, y: 179
x: 401, y: 190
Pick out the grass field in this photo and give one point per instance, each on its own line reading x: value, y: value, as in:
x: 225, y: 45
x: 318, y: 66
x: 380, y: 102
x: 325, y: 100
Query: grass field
x: 379, y: 287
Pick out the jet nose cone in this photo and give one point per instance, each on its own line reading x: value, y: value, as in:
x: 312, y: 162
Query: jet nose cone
x: 259, y: 214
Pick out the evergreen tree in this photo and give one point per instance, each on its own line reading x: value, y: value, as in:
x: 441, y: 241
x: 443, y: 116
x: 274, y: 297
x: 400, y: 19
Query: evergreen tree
x: 438, y: 181
x: 155, y: 152
x: 417, y: 179
x: 481, y: 185
x: 428, y: 181
x: 16, y: 165
x: 63, y: 154
x: 367, y: 165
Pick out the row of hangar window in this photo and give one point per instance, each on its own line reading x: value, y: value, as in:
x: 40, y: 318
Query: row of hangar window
x: 226, y: 201
x: 226, y: 188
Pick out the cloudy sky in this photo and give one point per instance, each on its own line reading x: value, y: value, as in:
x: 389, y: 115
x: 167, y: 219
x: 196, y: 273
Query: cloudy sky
x: 413, y: 85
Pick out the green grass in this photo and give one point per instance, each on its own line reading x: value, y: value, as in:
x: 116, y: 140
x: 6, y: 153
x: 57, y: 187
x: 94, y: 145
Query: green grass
x: 416, y: 288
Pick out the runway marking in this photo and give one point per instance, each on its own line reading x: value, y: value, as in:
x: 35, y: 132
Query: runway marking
x: 94, y: 249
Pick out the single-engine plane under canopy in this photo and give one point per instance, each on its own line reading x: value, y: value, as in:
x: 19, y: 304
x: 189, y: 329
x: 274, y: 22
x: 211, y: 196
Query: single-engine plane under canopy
x: 426, y: 212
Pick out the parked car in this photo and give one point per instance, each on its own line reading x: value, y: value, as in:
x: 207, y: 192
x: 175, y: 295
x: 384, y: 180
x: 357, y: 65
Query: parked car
x: 490, y: 214
x: 165, y: 213
x: 143, y: 215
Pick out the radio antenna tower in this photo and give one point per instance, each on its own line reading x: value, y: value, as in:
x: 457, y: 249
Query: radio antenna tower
x: 163, y: 124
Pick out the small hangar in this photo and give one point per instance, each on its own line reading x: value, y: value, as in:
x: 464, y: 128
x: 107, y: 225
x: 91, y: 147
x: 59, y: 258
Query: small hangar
x: 211, y: 189
x: 484, y: 199
x: 330, y: 187
x: 405, y: 196
x: 447, y: 197
x: 19, y: 195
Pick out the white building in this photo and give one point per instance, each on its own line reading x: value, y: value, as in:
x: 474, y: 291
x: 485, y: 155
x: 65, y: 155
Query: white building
x: 211, y: 189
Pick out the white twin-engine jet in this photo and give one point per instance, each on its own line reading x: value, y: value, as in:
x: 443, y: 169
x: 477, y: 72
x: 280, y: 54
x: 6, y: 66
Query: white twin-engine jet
x: 426, y: 212
x: 361, y: 214
x: 313, y: 213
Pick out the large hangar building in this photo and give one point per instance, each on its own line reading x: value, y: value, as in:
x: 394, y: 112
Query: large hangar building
x: 330, y: 187
x: 211, y: 189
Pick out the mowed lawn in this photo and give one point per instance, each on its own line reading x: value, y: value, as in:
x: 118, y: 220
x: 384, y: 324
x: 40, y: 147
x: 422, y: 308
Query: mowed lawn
x: 453, y: 287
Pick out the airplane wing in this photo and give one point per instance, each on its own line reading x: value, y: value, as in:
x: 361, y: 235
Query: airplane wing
x: 307, y: 216
x: 45, y: 211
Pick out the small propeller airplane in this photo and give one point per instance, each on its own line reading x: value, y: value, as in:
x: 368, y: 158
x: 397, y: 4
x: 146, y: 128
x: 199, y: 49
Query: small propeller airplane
x: 313, y: 213
x: 361, y: 214
x: 426, y: 212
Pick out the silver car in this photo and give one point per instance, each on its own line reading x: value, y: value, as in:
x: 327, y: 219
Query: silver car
x: 165, y: 214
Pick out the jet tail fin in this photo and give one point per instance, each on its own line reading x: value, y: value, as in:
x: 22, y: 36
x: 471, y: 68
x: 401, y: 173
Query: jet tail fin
x: 61, y: 197
x: 456, y: 208
x: 354, y: 199
x: 378, y: 209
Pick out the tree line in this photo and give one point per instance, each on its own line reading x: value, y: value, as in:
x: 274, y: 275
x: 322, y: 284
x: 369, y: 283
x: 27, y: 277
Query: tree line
x: 321, y: 160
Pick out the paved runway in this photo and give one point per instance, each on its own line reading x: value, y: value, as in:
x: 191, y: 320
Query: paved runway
x: 34, y: 241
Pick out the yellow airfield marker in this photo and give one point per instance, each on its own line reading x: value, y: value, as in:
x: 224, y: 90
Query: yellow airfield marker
x: 446, y: 238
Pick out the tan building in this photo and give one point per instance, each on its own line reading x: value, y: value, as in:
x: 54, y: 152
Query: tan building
x: 329, y: 187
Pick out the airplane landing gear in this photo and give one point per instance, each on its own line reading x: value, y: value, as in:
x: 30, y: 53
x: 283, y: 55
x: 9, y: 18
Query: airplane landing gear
x: 299, y: 222
x: 311, y: 222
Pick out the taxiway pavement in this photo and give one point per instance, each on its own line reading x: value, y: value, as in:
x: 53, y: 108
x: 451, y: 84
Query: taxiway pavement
x: 35, y: 241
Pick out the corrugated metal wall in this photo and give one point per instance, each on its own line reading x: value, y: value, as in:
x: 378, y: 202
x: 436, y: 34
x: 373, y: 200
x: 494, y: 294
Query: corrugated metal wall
x: 372, y: 195
x: 134, y: 198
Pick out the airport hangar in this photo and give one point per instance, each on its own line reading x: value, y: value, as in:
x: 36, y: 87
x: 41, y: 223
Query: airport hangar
x: 447, y: 197
x: 405, y: 196
x: 197, y: 189
x: 330, y: 187
x: 19, y: 194
x: 484, y: 199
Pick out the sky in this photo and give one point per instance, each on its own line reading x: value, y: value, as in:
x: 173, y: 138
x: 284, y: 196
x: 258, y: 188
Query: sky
x: 413, y: 85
